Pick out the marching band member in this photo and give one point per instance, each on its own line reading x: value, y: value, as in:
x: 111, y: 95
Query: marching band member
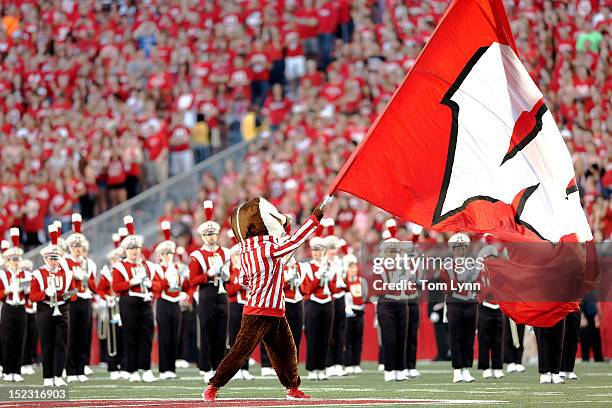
x: 52, y: 287
x: 335, y: 355
x: 31, y: 339
x: 110, y: 316
x: 173, y: 284
x: 571, y: 336
x: 84, y: 272
x: 513, y: 356
x: 237, y: 295
x: 317, y: 287
x: 461, y: 309
x: 357, y: 293
x: 490, y: 325
x: 392, y: 312
x: 208, y: 275
x: 550, y: 347
x: 412, y: 296
x: 13, y: 318
x: 134, y: 280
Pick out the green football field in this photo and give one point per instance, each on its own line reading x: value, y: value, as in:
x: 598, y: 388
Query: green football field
x: 593, y: 388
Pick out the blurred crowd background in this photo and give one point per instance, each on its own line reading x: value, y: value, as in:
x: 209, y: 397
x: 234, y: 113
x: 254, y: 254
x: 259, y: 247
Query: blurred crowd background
x: 102, y: 100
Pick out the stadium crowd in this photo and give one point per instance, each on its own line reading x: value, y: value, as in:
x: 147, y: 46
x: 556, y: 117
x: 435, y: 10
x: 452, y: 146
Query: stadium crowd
x: 100, y: 100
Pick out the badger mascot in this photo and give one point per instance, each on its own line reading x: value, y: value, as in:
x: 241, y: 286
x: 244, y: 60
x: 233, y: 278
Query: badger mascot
x: 261, y: 231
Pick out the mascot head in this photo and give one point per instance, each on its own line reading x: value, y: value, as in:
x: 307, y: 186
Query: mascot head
x: 258, y: 217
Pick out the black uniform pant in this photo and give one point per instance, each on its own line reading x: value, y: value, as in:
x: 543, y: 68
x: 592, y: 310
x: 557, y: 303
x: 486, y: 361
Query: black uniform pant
x: 590, y: 339
x: 29, y: 351
x: 188, y: 349
x: 168, y: 316
x: 235, y: 318
x: 490, y: 332
x: 13, y: 332
x: 295, y: 316
x: 412, y: 335
x: 393, y: 321
x: 317, y: 324
x: 138, y: 329
x: 212, y: 311
x: 53, y: 332
x: 338, y: 337
x: 119, y: 360
x: 550, y: 346
x: 462, y: 329
x: 354, y: 339
x: 78, y: 343
x: 294, y: 312
x: 570, y: 341
x: 513, y: 354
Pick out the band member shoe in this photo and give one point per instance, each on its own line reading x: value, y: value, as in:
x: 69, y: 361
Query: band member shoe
x: 246, y: 375
x: 414, y: 373
x: 401, y: 375
x: 312, y: 375
x: 83, y: 378
x: 148, y: 377
x: 321, y: 375
x: 72, y: 378
x: 124, y: 375
x: 48, y: 382
x: 350, y: 370
x: 267, y: 372
x: 115, y: 375
x: 487, y: 373
x: 457, y: 376
x: 87, y: 370
x: 498, y: 374
x: 545, y: 378
x: 166, y: 375
x: 340, y: 371
x: 562, y: 374
x: 134, y: 377
x: 294, y: 394
x: 511, y: 368
x: 357, y: 370
x: 572, y: 376
x: 181, y: 364
x: 520, y: 368
x: 237, y: 376
x: 208, y: 375
x: 210, y: 393
x: 467, y: 377
x: 17, y: 378
x: 556, y: 379
x: 389, y: 375
x: 59, y: 382
x: 7, y: 377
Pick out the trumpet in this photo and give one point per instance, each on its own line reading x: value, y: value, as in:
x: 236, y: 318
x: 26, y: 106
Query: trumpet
x: 141, y: 271
x: 325, y: 276
x: 54, y: 301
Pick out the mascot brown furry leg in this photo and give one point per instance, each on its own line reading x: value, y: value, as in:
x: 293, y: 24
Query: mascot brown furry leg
x: 259, y: 227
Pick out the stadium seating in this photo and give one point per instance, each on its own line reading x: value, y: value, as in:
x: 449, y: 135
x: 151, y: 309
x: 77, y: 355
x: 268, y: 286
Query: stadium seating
x: 101, y: 100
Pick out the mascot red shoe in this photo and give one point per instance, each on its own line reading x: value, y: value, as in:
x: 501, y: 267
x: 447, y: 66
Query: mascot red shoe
x: 264, y: 247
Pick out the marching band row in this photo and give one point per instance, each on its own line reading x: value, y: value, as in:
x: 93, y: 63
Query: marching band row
x: 325, y: 295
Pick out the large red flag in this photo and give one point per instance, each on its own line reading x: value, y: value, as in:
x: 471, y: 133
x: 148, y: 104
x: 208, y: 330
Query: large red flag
x: 468, y: 143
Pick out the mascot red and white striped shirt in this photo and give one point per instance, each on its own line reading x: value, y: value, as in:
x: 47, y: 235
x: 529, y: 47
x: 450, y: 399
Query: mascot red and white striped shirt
x: 262, y: 263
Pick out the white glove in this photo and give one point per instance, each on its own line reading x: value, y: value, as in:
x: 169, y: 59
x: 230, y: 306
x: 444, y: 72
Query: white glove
x: 147, y: 283
x: 213, y: 271
x: 50, y: 292
x: 8, y: 289
x: 79, y: 274
x: 349, y: 312
x: 136, y: 280
x: 434, y: 317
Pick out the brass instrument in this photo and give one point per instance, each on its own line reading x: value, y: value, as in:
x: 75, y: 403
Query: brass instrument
x: 325, y: 276
x: 141, y: 271
x: 292, y: 277
x: 54, y: 301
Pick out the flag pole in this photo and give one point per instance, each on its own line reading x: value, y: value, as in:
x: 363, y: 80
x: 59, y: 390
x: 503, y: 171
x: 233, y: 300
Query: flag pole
x: 326, y: 200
